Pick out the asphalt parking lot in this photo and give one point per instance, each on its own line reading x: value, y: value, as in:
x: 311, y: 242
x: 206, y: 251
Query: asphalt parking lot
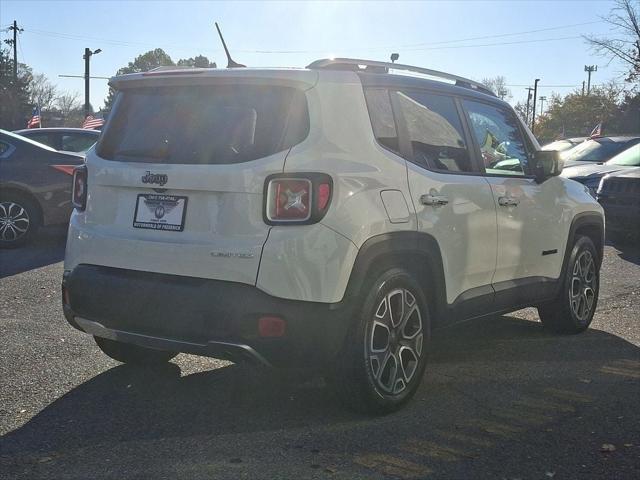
x: 501, y: 399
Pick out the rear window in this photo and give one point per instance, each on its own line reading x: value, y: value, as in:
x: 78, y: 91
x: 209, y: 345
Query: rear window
x: 217, y: 124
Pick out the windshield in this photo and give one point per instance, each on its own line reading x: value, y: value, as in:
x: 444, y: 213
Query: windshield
x: 213, y: 124
x: 593, y: 151
x: 629, y: 158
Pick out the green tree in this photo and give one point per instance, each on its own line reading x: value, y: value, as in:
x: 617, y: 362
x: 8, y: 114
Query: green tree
x: 142, y: 63
x: 15, y: 108
x: 153, y: 59
x: 498, y: 85
x: 575, y: 115
x: 199, y: 61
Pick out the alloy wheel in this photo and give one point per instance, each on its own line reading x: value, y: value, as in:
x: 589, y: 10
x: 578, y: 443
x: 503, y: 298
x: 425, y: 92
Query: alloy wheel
x: 14, y: 221
x: 582, y: 292
x: 394, y: 341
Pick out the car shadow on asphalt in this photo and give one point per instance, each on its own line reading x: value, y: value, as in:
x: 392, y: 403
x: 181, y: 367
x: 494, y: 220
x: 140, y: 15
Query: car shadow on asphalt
x: 46, y: 248
x: 627, y: 249
x: 493, y: 360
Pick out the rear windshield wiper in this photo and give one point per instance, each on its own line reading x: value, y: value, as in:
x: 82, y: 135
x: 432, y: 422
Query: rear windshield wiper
x: 158, y: 153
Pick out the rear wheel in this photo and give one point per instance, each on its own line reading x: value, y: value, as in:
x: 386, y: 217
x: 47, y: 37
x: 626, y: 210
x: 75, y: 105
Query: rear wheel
x: 19, y: 219
x: 384, y: 357
x: 572, y: 311
x: 127, y: 353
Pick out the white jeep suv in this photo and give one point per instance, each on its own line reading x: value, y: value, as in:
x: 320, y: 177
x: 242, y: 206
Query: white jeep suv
x: 327, y: 217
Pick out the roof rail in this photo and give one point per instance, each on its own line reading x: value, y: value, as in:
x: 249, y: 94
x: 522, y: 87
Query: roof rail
x: 374, y: 66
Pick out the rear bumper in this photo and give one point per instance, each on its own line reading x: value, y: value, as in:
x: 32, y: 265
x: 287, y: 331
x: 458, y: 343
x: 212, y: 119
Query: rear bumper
x: 201, y: 316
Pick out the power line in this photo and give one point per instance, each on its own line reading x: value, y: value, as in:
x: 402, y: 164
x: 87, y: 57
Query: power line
x: 560, y: 27
x: 518, y: 42
x: 564, y: 86
x: 410, y: 47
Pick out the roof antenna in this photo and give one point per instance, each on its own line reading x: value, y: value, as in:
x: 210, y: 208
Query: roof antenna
x: 230, y: 62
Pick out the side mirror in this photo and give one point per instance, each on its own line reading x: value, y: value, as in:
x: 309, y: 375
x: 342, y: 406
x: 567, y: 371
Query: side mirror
x: 547, y: 163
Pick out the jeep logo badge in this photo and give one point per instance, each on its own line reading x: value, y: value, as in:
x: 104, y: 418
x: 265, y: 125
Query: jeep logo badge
x: 159, y: 178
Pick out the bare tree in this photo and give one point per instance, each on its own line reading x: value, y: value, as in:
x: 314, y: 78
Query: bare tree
x: 624, y: 19
x: 42, y: 92
x: 67, y: 103
x: 498, y: 85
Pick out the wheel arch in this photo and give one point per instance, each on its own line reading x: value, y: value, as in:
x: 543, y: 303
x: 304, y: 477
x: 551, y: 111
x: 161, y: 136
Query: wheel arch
x: 591, y: 225
x: 417, y: 252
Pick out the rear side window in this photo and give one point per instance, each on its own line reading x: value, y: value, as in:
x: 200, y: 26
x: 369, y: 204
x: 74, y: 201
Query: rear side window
x: 216, y: 124
x: 44, y: 138
x: 382, y: 121
x: 77, y: 143
x: 435, y: 131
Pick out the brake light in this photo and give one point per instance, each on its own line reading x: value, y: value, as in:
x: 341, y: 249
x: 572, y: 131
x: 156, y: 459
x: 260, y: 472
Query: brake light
x: 290, y: 199
x: 299, y: 199
x: 79, y: 191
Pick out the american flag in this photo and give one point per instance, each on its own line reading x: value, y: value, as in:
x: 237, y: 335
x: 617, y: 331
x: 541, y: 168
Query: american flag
x: 34, y: 121
x: 92, y: 123
x: 597, y: 131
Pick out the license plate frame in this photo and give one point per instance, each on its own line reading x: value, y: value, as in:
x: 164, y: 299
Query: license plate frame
x: 157, y: 211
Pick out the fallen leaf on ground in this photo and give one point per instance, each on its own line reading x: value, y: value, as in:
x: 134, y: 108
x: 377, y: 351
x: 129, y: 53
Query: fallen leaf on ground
x: 607, y: 447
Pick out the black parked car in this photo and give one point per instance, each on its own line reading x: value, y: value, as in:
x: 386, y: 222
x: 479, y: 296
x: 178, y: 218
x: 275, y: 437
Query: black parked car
x: 598, y: 149
x: 66, y: 139
x: 590, y: 173
x: 35, y: 187
x: 619, y: 195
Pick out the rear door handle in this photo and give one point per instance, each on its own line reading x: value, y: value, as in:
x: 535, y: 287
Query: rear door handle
x: 508, y: 201
x: 433, y: 200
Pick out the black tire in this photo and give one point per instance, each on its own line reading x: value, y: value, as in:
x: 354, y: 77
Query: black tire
x: 356, y: 380
x: 17, y: 212
x: 128, y: 353
x: 572, y: 311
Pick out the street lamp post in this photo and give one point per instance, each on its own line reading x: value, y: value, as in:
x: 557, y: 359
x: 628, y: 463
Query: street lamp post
x: 87, y: 55
x: 535, y: 95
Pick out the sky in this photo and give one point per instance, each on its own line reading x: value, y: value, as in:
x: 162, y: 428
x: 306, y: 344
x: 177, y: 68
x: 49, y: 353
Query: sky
x: 520, y: 40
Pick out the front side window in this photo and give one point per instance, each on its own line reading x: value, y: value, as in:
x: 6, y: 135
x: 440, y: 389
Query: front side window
x: 501, y: 144
x: 434, y: 130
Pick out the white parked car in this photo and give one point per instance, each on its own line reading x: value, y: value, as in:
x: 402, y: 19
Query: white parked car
x: 326, y: 217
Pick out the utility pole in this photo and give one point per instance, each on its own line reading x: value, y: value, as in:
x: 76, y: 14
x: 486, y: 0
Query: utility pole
x: 529, y: 90
x: 16, y: 30
x: 590, y: 69
x: 535, y: 95
x: 87, y: 56
x: 542, y: 100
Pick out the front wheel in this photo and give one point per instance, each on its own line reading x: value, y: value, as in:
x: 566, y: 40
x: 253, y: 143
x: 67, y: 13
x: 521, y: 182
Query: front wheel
x: 572, y: 311
x: 384, y: 357
x: 128, y: 353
